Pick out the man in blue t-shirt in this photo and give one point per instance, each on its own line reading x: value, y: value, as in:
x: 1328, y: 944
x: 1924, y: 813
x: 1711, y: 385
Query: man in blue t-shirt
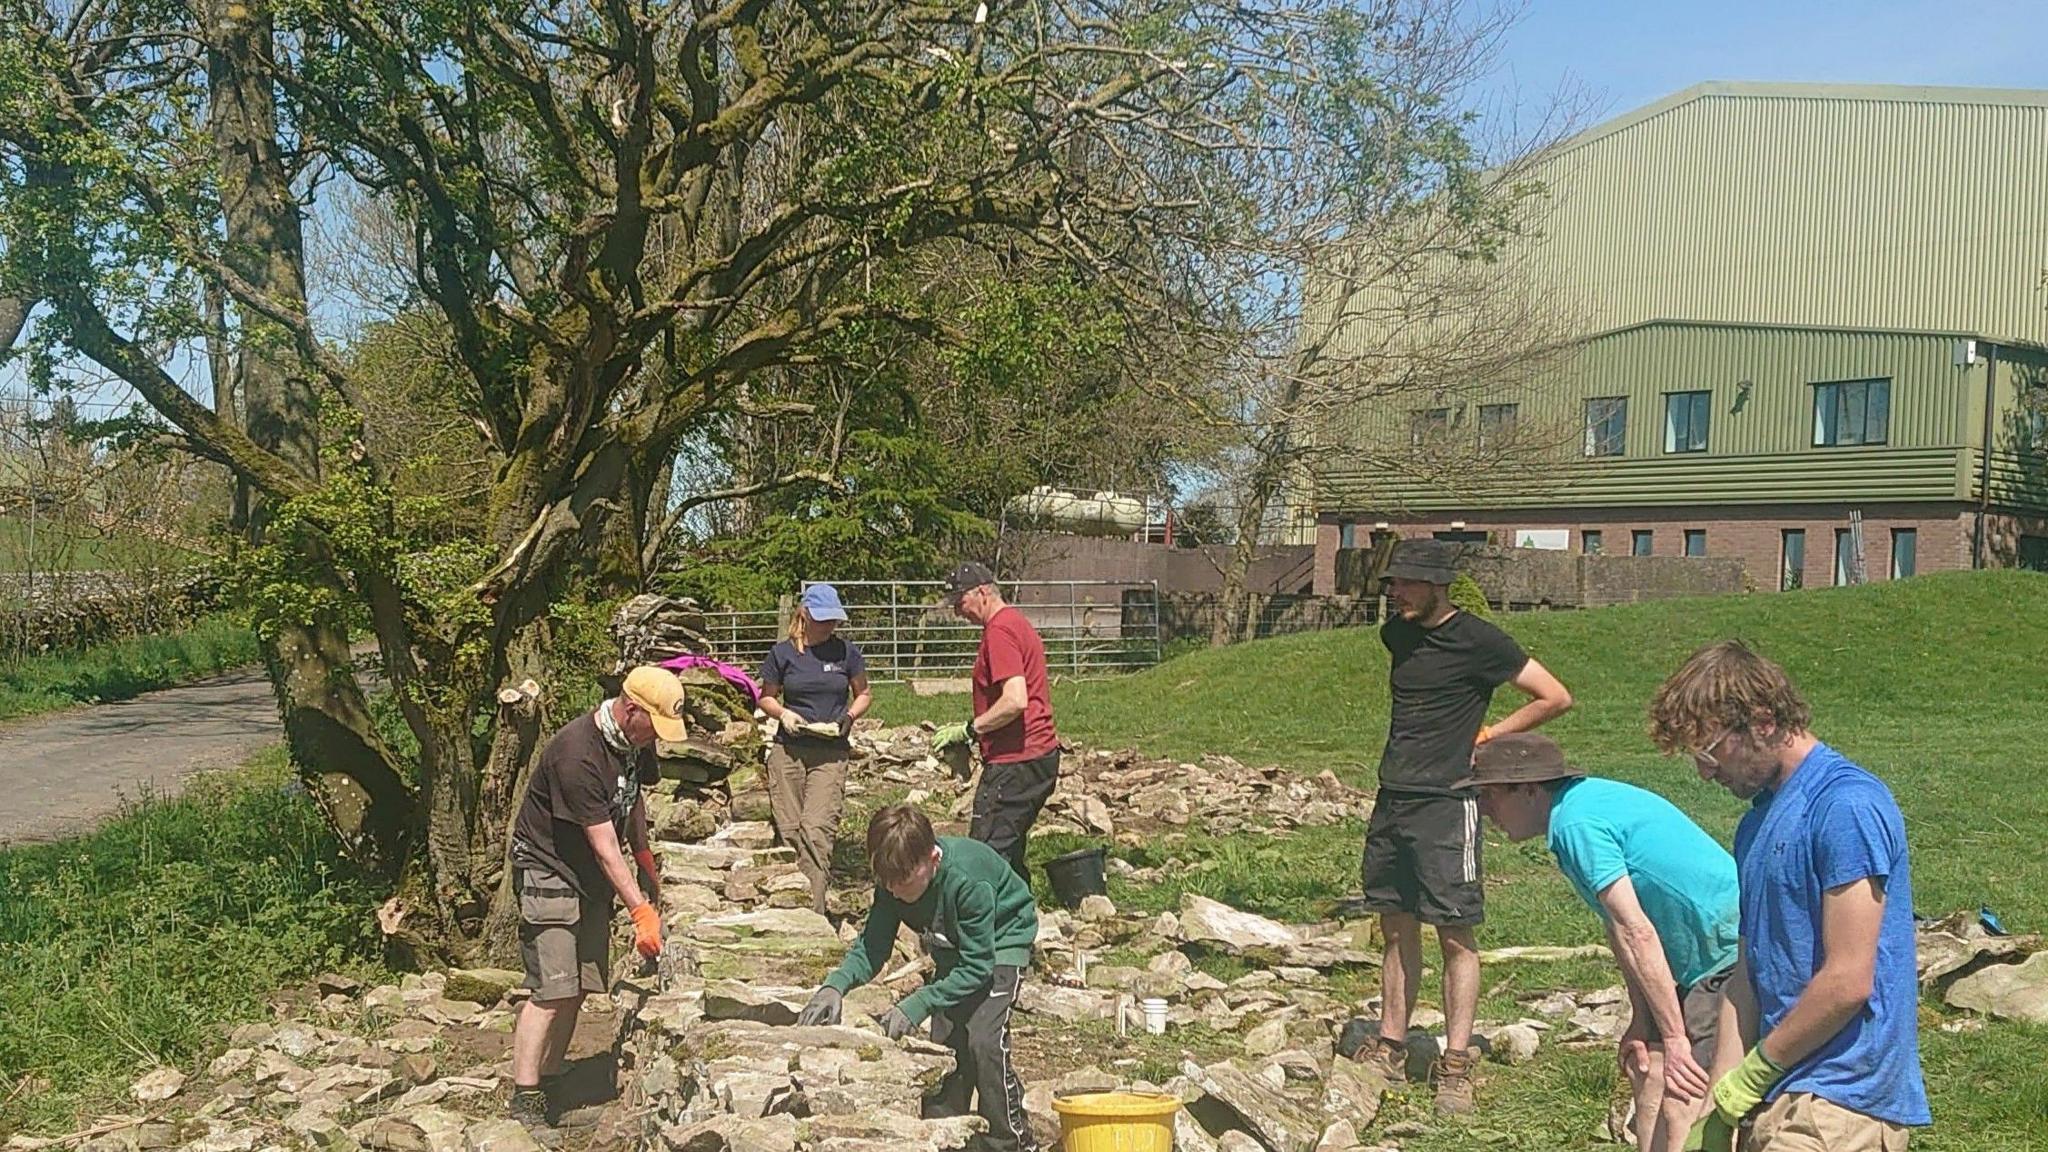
x: 1666, y: 893
x: 1826, y: 994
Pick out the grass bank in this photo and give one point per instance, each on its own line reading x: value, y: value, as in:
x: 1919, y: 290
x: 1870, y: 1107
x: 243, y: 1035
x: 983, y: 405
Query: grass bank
x: 122, y: 669
x: 142, y: 942
x: 1936, y: 684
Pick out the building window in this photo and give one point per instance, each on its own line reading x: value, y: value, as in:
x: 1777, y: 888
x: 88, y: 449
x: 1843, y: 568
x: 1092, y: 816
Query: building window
x: 1640, y: 541
x: 1461, y: 537
x: 1845, y: 556
x: 1606, y: 425
x: 1791, y: 559
x: 2034, y: 416
x: 1851, y: 412
x: 2034, y: 553
x: 1905, y: 552
x: 1497, y: 424
x: 1428, y: 426
x: 1589, y: 541
x: 1685, y: 421
x: 1347, y: 534
x: 1695, y: 541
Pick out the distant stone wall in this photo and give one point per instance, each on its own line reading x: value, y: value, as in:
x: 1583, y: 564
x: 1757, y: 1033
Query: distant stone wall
x: 1278, y: 569
x: 1538, y: 578
x: 1185, y: 616
x: 67, y: 611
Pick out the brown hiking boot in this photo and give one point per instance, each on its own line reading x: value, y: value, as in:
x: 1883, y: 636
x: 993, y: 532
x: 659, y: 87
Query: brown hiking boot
x: 1387, y: 1057
x: 529, y: 1106
x: 1454, y: 1088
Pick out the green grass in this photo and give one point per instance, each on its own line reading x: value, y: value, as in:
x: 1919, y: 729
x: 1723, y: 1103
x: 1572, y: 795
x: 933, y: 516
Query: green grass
x: 1936, y: 684
x: 121, y: 669
x: 146, y: 940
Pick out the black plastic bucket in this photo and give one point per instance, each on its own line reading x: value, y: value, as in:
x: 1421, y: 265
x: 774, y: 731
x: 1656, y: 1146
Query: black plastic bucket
x: 1077, y: 874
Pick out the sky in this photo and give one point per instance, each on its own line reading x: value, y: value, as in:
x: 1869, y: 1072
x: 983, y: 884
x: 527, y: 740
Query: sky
x: 1614, y: 56
x: 1622, y: 54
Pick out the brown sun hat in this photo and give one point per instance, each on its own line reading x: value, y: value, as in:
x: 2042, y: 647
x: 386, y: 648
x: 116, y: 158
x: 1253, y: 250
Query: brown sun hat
x: 1521, y: 758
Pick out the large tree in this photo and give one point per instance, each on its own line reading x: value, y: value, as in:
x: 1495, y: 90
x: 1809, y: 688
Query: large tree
x: 617, y: 217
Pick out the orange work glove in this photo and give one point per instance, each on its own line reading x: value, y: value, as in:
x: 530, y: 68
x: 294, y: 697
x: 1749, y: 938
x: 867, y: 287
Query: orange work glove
x: 647, y: 930
x: 1485, y: 734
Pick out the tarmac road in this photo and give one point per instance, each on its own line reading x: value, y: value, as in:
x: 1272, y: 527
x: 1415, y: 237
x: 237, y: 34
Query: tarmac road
x: 62, y: 773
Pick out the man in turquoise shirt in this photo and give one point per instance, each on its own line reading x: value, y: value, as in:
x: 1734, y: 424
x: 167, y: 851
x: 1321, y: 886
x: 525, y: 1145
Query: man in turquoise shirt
x: 1667, y: 894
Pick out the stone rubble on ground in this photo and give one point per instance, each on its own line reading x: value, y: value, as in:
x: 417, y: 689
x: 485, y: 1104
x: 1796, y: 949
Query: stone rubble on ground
x: 711, y: 1059
x: 1972, y: 969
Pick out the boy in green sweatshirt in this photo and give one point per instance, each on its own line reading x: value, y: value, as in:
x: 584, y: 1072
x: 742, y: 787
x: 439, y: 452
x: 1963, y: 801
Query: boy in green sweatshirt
x: 979, y: 921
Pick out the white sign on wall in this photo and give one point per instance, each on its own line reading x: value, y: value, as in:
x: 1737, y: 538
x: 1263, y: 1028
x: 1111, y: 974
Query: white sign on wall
x: 1548, y: 539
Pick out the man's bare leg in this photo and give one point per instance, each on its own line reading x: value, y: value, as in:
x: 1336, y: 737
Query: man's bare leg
x: 534, y: 1039
x: 1675, y: 1117
x: 567, y: 1012
x: 1461, y: 985
x: 1400, y: 973
x: 1648, y: 1088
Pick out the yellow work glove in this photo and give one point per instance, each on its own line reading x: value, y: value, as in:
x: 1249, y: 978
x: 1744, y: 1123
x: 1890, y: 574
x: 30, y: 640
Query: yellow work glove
x: 1711, y: 1134
x: 949, y: 735
x: 1743, y: 1088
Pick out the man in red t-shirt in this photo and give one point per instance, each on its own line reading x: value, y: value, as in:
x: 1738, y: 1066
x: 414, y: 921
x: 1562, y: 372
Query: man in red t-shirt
x: 1012, y: 719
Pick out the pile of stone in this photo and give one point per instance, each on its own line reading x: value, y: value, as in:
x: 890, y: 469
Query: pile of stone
x: 717, y: 1061
x: 725, y: 738
x: 650, y: 628
x: 1123, y: 793
x: 1980, y: 971
x: 365, y: 1069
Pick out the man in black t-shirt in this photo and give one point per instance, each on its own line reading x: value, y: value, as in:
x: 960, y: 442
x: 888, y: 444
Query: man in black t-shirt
x: 1421, y: 863
x: 581, y: 808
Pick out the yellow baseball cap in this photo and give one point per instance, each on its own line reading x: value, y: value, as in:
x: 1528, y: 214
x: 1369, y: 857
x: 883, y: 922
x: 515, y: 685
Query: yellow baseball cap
x: 660, y: 695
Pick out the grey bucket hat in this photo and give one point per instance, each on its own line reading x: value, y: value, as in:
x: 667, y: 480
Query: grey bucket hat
x: 1434, y: 561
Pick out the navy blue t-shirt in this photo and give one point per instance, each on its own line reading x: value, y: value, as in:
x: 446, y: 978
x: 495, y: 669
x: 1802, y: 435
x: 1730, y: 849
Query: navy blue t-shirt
x: 818, y: 682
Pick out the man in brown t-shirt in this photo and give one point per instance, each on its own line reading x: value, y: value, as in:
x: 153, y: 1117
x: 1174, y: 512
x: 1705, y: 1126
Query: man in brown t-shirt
x: 582, y: 803
x: 1012, y: 719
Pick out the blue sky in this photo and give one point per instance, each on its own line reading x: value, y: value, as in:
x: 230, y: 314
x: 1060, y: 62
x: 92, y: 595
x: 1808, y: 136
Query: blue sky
x: 1617, y: 55
x: 1622, y: 55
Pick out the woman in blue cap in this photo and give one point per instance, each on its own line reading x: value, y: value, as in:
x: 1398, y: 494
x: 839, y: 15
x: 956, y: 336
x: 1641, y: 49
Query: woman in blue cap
x: 815, y: 685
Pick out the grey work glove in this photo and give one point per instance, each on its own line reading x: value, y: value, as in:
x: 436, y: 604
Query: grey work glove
x: 895, y: 1025
x: 823, y: 1008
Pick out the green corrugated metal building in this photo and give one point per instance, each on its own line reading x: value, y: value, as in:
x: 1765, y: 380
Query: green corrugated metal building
x: 1798, y: 303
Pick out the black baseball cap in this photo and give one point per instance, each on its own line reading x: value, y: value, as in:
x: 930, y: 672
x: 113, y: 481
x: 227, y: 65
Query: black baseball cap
x: 964, y: 579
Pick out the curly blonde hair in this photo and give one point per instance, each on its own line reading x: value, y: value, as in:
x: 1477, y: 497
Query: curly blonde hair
x: 1721, y: 688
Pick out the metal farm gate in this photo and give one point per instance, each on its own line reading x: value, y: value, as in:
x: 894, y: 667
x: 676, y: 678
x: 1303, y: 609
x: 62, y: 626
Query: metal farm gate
x: 1090, y: 627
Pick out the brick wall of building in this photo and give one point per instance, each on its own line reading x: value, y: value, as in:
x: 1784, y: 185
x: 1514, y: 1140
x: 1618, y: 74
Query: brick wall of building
x: 1755, y: 536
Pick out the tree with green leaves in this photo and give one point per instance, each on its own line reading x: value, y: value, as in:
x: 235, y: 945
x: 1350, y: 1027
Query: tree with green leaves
x: 618, y: 219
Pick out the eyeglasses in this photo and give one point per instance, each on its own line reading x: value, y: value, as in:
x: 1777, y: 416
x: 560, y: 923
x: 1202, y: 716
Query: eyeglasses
x: 1706, y: 755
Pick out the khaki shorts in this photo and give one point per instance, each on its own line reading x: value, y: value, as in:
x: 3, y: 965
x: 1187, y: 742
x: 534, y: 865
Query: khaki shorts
x: 564, y: 939
x: 1701, y: 1007
x: 1803, y: 1122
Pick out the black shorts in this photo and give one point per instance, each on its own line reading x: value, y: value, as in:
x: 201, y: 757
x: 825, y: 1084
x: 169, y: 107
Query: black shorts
x: 1422, y: 858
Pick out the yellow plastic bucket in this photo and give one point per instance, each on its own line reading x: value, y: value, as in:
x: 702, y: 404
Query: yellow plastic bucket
x: 1116, y: 1121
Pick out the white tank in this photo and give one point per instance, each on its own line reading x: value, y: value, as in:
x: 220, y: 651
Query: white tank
x: 1100, y: 514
